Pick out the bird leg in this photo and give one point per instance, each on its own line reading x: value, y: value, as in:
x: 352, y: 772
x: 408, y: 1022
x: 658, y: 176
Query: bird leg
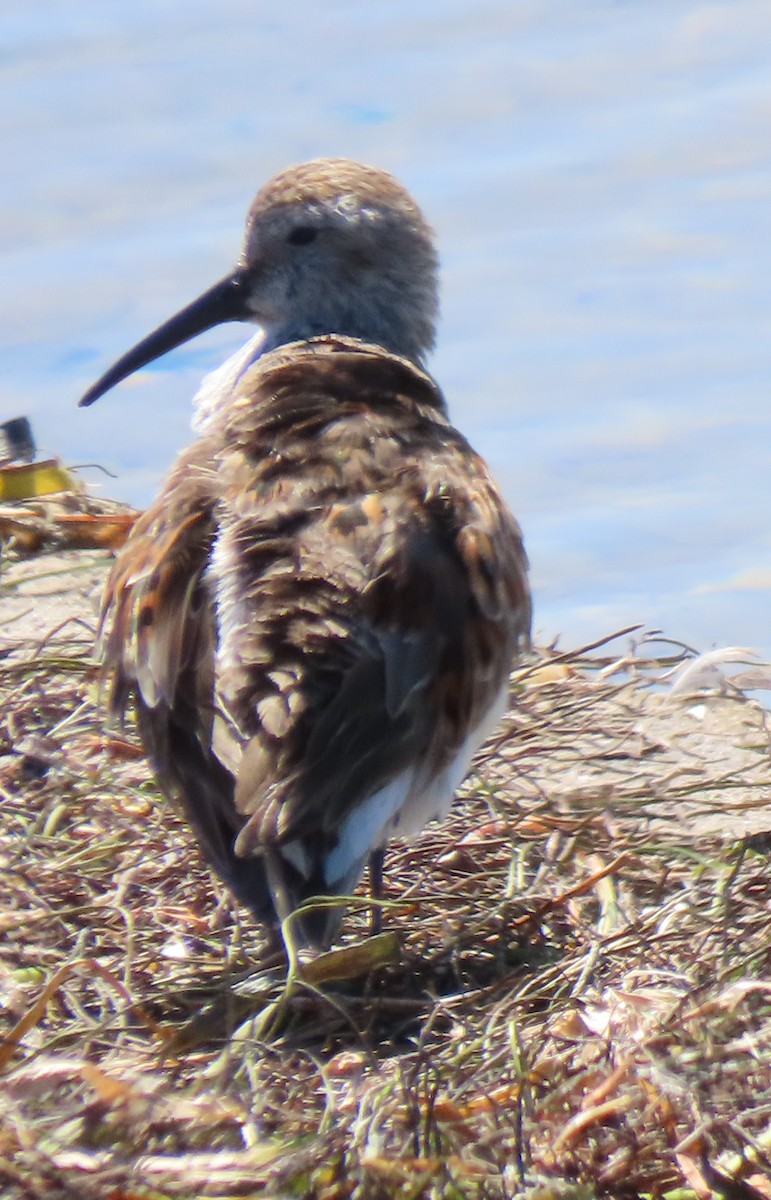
x: 376, y: 861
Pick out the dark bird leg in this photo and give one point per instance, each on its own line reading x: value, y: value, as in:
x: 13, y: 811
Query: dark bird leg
x: 376, y: 861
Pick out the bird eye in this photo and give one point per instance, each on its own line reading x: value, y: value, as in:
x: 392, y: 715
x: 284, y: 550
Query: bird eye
x: 301, y: 235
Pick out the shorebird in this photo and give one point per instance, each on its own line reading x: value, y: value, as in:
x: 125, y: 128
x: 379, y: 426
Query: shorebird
x: 318, y: 615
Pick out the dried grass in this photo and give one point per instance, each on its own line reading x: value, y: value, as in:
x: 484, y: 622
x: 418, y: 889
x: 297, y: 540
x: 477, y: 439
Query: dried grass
x: 581, y: 1006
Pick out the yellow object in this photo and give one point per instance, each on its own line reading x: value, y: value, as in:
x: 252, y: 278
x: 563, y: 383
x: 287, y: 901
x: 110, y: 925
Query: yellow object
x: 35, y: 479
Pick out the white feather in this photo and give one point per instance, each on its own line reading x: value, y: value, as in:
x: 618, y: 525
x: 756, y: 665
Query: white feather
x: 217, y: 386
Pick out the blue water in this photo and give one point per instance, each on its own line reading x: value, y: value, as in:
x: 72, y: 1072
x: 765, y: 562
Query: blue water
x: 599, y: 177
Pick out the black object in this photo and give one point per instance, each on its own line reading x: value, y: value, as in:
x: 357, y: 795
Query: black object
x: 17, y: 443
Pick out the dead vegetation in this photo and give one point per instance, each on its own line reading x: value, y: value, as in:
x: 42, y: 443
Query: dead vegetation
x: 580, y: 1007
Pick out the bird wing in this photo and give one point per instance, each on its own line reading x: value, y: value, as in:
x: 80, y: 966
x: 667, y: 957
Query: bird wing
x: 154, y: 610
x: 158, y: 643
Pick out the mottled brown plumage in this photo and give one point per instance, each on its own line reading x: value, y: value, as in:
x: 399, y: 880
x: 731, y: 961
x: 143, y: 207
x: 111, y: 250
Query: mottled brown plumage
x: 318, y: 614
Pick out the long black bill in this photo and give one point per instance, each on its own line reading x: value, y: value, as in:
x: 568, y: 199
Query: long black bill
x: 226, y: 301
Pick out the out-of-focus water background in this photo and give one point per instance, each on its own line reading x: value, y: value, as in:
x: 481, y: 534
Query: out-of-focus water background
x: 599, y: 177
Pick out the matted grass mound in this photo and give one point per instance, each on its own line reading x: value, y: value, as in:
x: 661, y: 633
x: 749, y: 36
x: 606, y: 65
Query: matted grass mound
x: 580, y: 1005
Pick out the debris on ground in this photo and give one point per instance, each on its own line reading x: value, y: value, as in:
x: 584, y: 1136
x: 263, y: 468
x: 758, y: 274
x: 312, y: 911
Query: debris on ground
x: 44, y: 506
x: 580, y: 1005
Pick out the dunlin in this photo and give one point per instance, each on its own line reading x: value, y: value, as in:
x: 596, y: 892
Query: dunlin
x: 318, y: 615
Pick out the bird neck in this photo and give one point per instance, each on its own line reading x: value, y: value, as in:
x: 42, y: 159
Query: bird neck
x: 396, y: 327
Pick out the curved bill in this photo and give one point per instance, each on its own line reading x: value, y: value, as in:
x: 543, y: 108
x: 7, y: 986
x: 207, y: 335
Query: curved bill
x: 226, y: 301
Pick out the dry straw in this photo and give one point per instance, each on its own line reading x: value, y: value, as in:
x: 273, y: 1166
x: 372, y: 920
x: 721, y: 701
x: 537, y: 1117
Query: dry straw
x: 578, y: 1005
